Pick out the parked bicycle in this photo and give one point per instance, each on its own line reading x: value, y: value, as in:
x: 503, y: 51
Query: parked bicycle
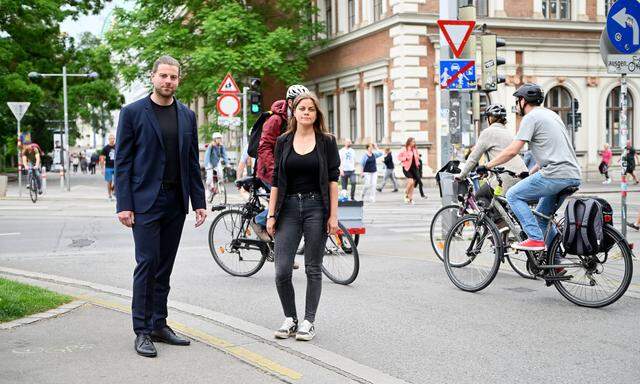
x: 476, y: 245
x: 238, y: 250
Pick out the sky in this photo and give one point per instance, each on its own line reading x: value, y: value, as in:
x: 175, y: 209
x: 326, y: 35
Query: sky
x: 92, y: 23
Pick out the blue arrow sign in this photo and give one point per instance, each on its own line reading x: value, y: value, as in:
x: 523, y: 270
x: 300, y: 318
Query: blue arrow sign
x: 459, y: 75
x: 623, y: 25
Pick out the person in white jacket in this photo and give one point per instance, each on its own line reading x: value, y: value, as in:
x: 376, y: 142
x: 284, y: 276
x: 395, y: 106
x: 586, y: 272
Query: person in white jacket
x: 370, y: 172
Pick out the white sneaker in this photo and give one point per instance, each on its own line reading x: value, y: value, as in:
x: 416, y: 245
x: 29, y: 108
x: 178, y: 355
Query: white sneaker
x: 608, y: 181
x: 306, y: 331
x: 287, y: 329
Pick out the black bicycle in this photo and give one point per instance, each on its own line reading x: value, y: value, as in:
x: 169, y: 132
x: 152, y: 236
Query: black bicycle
x: 32, y: 184
x: 476, y: 245
x: 237, y: 249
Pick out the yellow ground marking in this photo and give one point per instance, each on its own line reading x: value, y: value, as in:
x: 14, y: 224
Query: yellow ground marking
x: 242, y: 353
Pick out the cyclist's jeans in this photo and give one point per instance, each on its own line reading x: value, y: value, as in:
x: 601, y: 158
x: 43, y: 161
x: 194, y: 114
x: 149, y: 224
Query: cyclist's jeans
x: 300, y: 216
x: 533, y: 188
x: 261, y: 218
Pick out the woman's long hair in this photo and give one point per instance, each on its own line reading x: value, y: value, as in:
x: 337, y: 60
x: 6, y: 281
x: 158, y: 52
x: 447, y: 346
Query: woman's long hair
x: 408, y: 142
x: 319, y: 125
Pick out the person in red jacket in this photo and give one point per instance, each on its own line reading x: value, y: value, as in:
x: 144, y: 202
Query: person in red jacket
x: 271, y: 129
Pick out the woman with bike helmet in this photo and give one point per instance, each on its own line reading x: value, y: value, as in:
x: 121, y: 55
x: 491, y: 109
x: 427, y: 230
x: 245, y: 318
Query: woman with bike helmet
x: 303, y: 201
x: 490, y: 143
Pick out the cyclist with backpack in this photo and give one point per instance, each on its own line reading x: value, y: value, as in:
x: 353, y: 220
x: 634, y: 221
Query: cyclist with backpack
x: 549, y: 142
x: 214, y: 158
x: 491, y: 142
x: 266, y: 131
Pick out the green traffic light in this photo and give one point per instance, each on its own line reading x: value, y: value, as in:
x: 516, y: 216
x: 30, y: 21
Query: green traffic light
x: 255, y: 108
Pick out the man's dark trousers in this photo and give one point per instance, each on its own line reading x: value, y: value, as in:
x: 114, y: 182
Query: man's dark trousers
x: 157, y: 235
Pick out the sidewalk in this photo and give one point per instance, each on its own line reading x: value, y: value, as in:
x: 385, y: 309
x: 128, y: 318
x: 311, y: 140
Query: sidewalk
x: 94, y: 343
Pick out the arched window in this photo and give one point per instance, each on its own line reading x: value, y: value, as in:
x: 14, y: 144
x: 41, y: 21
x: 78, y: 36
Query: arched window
x: 558, y: 100
x: 613, y: 117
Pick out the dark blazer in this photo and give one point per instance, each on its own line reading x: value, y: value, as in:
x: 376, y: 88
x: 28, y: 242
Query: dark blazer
x: 140, y: 158
x: 328, y: 158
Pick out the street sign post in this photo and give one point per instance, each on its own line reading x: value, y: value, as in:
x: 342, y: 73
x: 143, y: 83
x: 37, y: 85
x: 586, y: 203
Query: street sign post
x: 458, y: 75
x: 19, y: 109
x: 619, y: 42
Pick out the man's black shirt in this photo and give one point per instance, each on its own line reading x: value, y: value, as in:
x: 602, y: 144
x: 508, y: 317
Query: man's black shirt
x: 168, y: 119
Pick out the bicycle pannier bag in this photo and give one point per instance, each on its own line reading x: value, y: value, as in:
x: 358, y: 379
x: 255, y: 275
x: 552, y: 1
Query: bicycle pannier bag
x: 583, y: 221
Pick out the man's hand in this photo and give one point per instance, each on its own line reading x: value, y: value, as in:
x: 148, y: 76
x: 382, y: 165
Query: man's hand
x: 482, y: 171
x: 201, y: 215
x: 127, y: 218
x: 332, y: 225
x: 341, y: 173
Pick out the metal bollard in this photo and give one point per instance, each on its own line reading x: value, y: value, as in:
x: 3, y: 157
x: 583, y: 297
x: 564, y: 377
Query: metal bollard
x: 44, y: 179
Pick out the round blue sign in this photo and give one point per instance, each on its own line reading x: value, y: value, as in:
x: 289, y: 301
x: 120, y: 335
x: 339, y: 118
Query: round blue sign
x: 623, y: 26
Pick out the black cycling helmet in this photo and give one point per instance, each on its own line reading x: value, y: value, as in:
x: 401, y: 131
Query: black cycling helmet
x: 495, y: 110
x: 531, y: 93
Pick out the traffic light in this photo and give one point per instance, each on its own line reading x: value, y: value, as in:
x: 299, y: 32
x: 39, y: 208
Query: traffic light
x: 255, y: 95
x: 490, y: 61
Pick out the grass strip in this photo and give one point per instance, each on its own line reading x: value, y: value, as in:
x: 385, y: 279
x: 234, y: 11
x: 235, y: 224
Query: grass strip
x: 20, y: 300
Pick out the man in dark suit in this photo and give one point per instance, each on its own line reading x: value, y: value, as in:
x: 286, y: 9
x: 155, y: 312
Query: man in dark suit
x: 156, y: 173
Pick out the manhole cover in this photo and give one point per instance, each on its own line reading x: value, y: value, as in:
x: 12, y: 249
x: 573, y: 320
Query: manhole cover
x: 520, y: 289
x: 79, y: 243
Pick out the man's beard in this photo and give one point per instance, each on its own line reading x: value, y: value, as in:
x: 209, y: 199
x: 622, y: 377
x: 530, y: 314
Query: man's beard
x: 163, y: 92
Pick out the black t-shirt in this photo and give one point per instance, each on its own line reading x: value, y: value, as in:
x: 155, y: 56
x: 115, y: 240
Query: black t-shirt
x: 303, y: 172
x: 388, y: 161
x: 109, y: 153
x: 168, y: 119
x: 631, y: 157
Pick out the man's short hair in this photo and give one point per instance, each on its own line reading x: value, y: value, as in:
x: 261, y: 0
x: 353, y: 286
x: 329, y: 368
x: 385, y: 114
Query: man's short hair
x: 165, y: 59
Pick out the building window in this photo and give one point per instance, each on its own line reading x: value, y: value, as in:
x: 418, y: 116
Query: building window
x: 351, y: 14
x: 377, y: 10
x: 328, y: 16
x: 482, y: 8
x: 607, y: 5
x: 613, y: 117
x: 353, y: 115
x: 378, y: 96
x: 330, y: 114
x: 559, y: 101
x: 556, y: 9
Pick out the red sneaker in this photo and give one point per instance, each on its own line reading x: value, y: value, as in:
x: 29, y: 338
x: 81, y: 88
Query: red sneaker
x: 529, y: 245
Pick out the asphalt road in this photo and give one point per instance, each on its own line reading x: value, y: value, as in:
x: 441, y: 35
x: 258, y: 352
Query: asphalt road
x: 401, y: 316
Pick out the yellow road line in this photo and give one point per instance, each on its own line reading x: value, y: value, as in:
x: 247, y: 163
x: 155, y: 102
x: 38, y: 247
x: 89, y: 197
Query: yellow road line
x: 242, y: 353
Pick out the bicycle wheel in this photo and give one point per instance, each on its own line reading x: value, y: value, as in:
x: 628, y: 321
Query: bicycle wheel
x: 442, y: 221
x: 234, y: 246
x: 218, y: 196
x: 517, y: 259
x: 341, y: 262
x: 472, y: 253
x: 33, y: 188
x: 598, y: 280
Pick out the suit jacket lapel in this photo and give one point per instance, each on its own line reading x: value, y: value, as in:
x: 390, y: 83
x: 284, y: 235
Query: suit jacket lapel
x: 151, y: 115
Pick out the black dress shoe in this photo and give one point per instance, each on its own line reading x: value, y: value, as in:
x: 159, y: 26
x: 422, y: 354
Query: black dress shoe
x: 166, y: 335
x: 145, y: 347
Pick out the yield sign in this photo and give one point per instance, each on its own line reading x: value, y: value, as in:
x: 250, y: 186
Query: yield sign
x: 456, y: 32
x: 18, y: 108
x: 228, y: 85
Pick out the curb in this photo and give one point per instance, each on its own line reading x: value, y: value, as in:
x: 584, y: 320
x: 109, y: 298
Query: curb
x: 55, y: 312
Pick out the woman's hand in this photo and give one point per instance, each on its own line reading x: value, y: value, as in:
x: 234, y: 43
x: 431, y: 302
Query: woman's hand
x: 332, y: 225
x: 271, y: 226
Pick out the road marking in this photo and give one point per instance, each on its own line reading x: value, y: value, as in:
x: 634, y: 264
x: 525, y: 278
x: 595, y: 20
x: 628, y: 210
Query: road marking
x: 242, y: 353
x: 10, y: 234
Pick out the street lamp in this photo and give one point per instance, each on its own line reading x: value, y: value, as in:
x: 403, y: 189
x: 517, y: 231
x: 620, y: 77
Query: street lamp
x: 64, y: 75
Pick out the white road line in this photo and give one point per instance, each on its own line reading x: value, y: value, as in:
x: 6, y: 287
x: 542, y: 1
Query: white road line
x: 10, y: 234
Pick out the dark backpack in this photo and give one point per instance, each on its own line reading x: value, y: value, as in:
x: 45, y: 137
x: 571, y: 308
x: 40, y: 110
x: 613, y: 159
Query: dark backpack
x: 256, y: 133
x: 583, y: 222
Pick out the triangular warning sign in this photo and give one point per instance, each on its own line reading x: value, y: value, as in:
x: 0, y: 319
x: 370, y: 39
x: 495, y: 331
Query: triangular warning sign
x: 228, y: 85
x: 456, y: 32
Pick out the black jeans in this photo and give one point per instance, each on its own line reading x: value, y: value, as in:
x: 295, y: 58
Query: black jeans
x: 300, y: 215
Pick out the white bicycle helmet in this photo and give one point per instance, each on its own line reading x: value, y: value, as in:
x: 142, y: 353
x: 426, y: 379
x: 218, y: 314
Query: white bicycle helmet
x: 295, y: 90
x: 216, y: 135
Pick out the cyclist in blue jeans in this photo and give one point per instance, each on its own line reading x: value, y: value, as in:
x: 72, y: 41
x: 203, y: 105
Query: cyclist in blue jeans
x: 557, y: 167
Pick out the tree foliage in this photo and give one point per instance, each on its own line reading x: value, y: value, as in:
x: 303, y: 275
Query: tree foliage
x: 213, y: 37
x: 30, y: 40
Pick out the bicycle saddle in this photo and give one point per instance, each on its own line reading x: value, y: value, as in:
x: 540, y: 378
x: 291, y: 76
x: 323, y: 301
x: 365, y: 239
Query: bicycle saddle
x: 568, y: 191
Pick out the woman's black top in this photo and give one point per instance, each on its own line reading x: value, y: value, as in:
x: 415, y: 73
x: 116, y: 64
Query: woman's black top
x: 303, y: 172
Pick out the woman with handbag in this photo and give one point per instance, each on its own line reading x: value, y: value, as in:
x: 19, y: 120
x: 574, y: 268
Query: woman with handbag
x: 604, y: 164
x: 303, y: 201
x: 410, y: 163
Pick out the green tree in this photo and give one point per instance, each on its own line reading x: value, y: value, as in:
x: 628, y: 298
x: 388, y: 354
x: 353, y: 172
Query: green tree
x: 213, y: 37
x: 30, y: 40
